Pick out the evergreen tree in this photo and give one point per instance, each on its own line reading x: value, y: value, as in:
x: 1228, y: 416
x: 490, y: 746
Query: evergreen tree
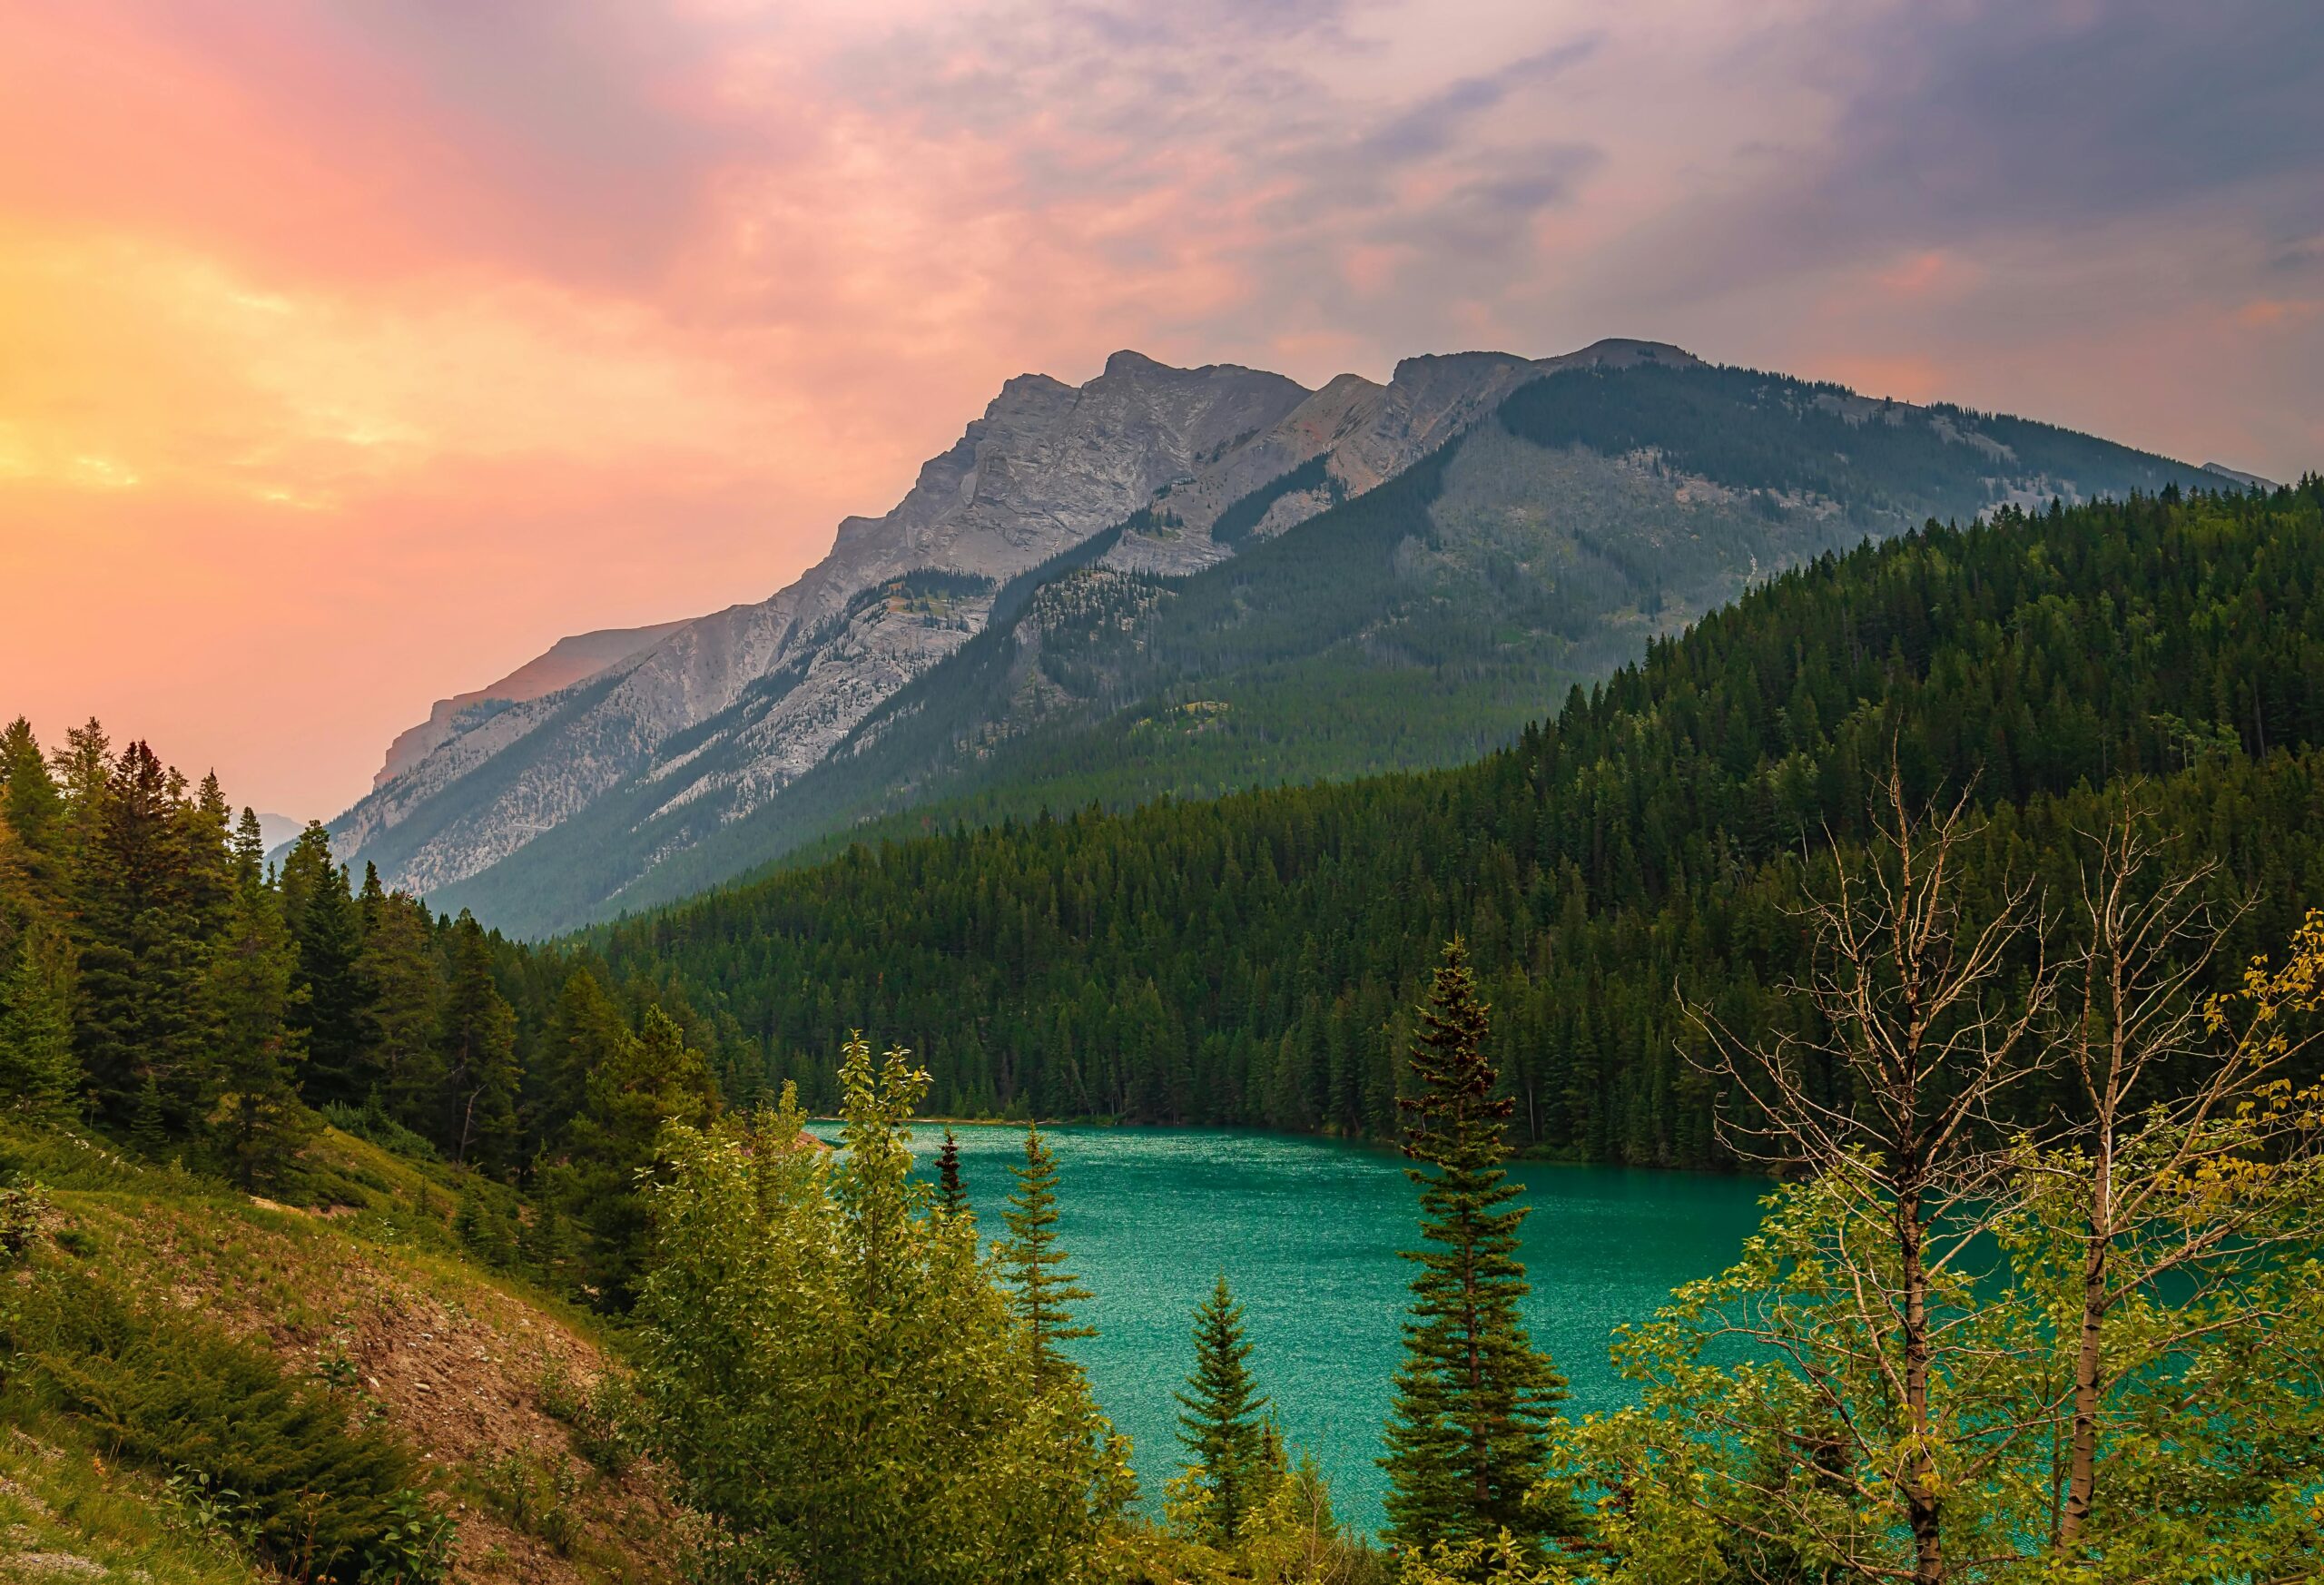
x: 141, y: 956
x: 400, y: 980
x: 1032, y: 1265
x: 1222, y: 1419
x: 951, y: 1198
x: 651, y: 1079
x: 586, y: 1034
x: 255, y: 1118
x: 478, y: 1120
x: 38, y: 1072
x: 327, y: 930
x: 1468, y: 1437
x: 34, y: 809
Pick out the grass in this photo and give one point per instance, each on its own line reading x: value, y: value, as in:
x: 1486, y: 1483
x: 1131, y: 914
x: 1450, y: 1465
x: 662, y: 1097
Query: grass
x: 355, y: 1282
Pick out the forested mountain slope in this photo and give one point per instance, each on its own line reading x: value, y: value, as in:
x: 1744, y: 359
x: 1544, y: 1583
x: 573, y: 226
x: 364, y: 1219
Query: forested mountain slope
x: 1249, y: 961
x: 1421, y: 624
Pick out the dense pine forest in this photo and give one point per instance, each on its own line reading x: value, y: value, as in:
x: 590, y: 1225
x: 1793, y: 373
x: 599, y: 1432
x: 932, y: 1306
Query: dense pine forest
x: 2016, y: 822
x: 1251, y: 960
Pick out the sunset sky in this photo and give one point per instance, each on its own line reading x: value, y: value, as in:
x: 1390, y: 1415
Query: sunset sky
x: 351, y: 354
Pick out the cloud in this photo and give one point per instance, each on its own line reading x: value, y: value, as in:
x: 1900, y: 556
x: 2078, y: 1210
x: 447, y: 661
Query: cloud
x: 458, y: 327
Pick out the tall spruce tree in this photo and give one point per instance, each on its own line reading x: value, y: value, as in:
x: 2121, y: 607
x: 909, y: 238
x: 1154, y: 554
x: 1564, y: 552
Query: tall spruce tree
x: 478, y: 1121
x: 256, y: 1122
x: 400, y: 978
x: 39, y: 1075
x: 952, y: 1197
x: 1468, y: 1438
x: 138, y: 1028
x: 647, y: 1079
x: 1222, y: 1418
x: 1033, y: 1265
x: 327, y: 930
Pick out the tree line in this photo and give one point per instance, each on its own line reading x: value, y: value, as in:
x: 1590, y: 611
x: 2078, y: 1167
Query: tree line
x: 163, y: 981
x: 1251, y: 960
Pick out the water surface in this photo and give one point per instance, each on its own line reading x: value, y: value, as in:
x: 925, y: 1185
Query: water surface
x: 1307, y: 1232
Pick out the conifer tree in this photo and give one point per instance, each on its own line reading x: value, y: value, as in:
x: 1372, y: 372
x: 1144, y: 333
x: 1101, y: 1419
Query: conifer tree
x: 1222, y: 1416
x: 480, y: 1072
x: 140, y: 953
x: 1467, y: 1439
x: 327, y: 931
x: 951, y: 1198
x: 34, y: 809
x: 400, y: 980
x: 38, y: 1072
x: 1042, y: 1291
x: 254, y: 1113
x: 650, y: 1078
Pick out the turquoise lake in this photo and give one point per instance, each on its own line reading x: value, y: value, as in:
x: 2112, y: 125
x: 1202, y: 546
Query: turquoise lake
x: 1307, y: 1231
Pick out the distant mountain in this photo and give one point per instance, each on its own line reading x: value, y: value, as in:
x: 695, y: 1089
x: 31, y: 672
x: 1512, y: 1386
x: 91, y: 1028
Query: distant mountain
x: 2249, y: 481
x: 567, y: 662
x: 275, y: 830
x: 1179, y: 582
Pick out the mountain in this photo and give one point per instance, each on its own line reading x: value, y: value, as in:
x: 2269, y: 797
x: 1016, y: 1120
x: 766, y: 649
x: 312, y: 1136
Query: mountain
x: 1409, y: 574
x: 726, y: 710
x: 568, y: 661
x: 1254, y: 960
x: 1563, y: 543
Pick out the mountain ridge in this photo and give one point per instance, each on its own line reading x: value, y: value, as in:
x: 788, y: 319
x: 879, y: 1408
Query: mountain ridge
x: 1649, y: 482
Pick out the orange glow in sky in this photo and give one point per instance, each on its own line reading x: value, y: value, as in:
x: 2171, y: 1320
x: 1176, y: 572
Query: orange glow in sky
x: 351, y: 354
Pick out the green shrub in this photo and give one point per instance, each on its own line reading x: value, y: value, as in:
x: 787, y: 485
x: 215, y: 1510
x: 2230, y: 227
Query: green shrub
x: 272, y: 1455
x: 371, y: 1122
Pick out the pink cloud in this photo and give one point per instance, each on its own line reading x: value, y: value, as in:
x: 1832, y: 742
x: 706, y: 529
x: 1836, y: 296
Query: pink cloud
x: 351, y: 353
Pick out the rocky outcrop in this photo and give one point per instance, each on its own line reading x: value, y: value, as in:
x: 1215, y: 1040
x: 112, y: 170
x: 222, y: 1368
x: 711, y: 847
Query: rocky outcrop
x: 568, y: 661
x: 733, y: 704
x: 1366, y: 433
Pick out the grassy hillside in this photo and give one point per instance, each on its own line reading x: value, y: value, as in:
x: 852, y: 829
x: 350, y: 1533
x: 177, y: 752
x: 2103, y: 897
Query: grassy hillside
x: 150, y: 1312
x: 1423, y: 624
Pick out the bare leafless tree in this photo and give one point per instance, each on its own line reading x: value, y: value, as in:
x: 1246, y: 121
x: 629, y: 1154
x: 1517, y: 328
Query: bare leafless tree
x: 1921, y: 1018
x: 2192, y: 1183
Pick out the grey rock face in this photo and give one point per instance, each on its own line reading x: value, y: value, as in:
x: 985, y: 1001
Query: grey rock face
x: 1048, y: 466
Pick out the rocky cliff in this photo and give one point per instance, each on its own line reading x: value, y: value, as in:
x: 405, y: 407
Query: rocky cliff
x: 1048, y: 466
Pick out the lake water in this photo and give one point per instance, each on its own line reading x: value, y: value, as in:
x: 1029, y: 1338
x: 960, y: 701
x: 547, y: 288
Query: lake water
x: 1307, y: 1231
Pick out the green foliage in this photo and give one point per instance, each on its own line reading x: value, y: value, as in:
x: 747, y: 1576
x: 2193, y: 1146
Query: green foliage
x: 271, y: 1457
x: 1468, y: 1438
x: 1248, y: 961
x: 1221, y: 1418
x: 372, y: 1121
x: 1033, y: 1264
x: 835, y: 1376
x: 952, y: 1195
x: 38, y: 1071
x: 646, y: 1080
x: 254, y: 1115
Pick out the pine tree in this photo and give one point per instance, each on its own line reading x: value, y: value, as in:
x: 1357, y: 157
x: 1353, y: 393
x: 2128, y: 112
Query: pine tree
x: 951, y: 1198
x: 32, y: 808
x: 400, y: 981
x: 586, y: 1033
x: 38, y: 1072
x: 255, y: 1118
x: 1042, y: 1291
x: 327, y: 929
x: 1467, y: 1439
x: 651, y: 1079
x: 138, y: 1013
x: 1222, y: 1421
x: 479, y: 1123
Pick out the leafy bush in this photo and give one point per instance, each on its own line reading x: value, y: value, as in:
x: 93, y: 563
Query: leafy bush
x: 271, y: 1456
x: 371, y: 1122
